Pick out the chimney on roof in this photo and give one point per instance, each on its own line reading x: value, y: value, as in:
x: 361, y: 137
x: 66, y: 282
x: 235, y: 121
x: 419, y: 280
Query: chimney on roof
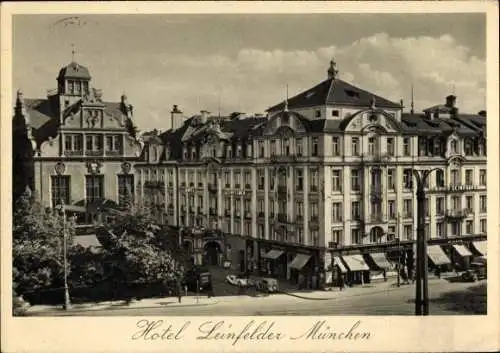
x: 482, y: 113
x: 332, y: 70
x: 176, y: 118
x: 451, y: 100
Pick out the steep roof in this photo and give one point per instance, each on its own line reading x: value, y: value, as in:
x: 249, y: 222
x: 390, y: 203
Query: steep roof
x: 44, y: 116
x: 421, y: 124
x: 74, y: 70
x: 334, y: 91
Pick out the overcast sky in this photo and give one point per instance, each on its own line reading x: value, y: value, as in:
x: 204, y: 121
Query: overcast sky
x: 245, y: 61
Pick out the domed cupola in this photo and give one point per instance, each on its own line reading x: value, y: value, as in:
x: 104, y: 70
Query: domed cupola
x: 73, y: 79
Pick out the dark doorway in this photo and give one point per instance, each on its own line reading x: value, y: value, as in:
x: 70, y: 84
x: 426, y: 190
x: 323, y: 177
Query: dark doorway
x: 212, y: 250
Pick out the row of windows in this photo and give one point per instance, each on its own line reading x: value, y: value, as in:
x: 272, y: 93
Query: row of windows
x: 78, y: 87
x: 94, y: 188
x: 407, y: 234
x: 73, y: 143
x: 437, y: 146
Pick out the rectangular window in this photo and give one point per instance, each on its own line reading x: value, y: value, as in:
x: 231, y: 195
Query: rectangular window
x: 335, y: 113
x: 440, y: 230
x: 248, y: 179
x: 469, y: 204
x: 482, y: 204
x: 455, y: 178
x: 315, y: 238
x: 371, y: 146
x: 482, y: 177
x: 391, y: 206
x: 298, y: 145
x: 355, y: 210
x: 85, y: 87
x: 94, y: 187
x: 260, y: 179
x: 300, y: 236
x: 406, y: 146
x: 335, y: 146
x: 407, y: 208
x: 125, y: 188
x: 73, y: 143
x: 337, y: 212
x: 469, y: 177
x: 300, y: 208
x: 71, y: 87
x: 390, y: 146
x: 468, y: 227
x: 355, y: 236
x: 483, y: 225
x: 455, y: 203
x: 94, y: 143
x: 355, y: 146
x: 261, y: 148
x: 337, y: 236
x: 273, y: 148
x: 314, y: 209
x: 391, y: 176
x: 336, y: 180
x: 407, y: 178
x: 439, y: 206
x: 407, y: 232
x: 314, y: 151
x: 314, y: 180
x: 60, y: 187
x: 299, y: 180
x: 286, y: 147
x: 354, y: 179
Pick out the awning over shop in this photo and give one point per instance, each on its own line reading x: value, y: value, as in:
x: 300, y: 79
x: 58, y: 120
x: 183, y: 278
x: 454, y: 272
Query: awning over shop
x: 437, y: 255
x: 462, y: 250
x: 355, y: 263
x: 299, y: 261
x: 338, y: 262
x: 381, y: 260
x: 273, y: 254
x: 481, y: 246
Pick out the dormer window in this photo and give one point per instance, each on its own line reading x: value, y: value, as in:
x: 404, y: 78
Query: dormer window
x: 318, y: 113
x: 453, y: 146
x: 335, y: 113
x: 193, y: 152
x: 229, y: 152
x: 238, y: 151
x: 184, y: 153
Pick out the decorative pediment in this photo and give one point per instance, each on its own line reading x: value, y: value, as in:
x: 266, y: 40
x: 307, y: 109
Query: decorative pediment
x: 376, y: 120
x: 455, y: 160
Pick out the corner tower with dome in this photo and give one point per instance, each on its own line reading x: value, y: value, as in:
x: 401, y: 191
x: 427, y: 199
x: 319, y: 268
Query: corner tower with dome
x: 80, y: 148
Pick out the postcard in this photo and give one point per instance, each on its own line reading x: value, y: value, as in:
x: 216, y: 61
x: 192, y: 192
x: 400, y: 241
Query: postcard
x: 250, y: 176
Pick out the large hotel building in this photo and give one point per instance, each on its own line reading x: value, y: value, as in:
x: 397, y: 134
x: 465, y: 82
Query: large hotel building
x: 320, y: 186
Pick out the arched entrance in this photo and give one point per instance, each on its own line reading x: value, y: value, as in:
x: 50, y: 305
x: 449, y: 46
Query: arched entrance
x: 376, y: 234
x: 211, y: 253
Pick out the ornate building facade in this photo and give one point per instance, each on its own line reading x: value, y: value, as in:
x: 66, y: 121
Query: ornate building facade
x: 325, y: 179
x: 80, y: 149
x: 320, y: 186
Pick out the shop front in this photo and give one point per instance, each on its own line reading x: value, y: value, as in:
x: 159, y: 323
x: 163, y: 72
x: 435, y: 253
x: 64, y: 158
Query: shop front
x: 339, y: 271
x: 439, y: 260
x: 460, y: 256
x: 379, y: 265
x: 358, y: 271
x: 480, y: 248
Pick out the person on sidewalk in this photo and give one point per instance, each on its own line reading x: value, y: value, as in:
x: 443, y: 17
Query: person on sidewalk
x: 179, y: 289
x: 341, y: 283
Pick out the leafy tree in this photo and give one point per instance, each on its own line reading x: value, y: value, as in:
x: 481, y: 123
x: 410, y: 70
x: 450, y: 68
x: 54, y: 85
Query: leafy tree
x: 37, y: 245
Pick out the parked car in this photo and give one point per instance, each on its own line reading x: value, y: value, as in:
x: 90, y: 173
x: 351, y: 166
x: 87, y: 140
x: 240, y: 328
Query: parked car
x: 239, y: 281
x: 198, y: 276
x: 476, y: 271
x: 267, y: 285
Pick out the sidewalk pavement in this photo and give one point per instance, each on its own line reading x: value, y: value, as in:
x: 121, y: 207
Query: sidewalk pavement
x: 136, y: 304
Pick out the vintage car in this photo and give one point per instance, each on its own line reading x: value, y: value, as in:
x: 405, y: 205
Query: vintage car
x: 267, y: 285
x: 476, y: 271
x: 239, y: 281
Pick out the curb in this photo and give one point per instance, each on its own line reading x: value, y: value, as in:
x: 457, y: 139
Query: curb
x: 116, y: 307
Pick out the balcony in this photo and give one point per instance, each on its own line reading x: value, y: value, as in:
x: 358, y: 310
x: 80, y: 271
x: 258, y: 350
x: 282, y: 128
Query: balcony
x: 282, y: 217
x: 248, y: 215
x: 407, y: 215
x: 456, y: 214
x: 283, y: 158
x: 376, y: 218
x: 299, y: 218
x: 314, y: 219
x: 237, y: 213
x: 73, y: 153
x: 212, y: 187
x: 454, y: 188
x: 281, y: 189
x: 170, y: 184
x: 94, y: 153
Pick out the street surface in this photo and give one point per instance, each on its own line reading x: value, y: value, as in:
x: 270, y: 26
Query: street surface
x: 378, y: 299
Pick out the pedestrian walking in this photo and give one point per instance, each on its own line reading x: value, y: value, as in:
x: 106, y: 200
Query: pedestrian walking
x: 179, y: 290
x: 341, y: 283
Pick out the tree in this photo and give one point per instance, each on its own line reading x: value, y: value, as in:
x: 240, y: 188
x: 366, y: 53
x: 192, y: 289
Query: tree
x: 134, y: 251
x: 37, y: 245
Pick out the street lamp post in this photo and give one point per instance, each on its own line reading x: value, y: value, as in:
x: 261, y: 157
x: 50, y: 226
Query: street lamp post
x: 422, y: 285
x: 67, y: 302
x: 399, y: 261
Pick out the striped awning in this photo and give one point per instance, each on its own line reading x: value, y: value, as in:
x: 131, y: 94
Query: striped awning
x: 299, y: 261
x: 273, y: 254
x: 380, y: 260
x: 338, y: 262
x: 481, y: 246
x: 355, y: 263
x: 437, y: 255
x: 462, y: 250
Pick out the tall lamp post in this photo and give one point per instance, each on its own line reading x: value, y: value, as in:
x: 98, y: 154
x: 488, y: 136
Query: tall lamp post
x: 422, y: 286
x: 67, y: 302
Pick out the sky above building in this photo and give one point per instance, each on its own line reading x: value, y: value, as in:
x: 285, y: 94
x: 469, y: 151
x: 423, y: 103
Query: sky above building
x: 244, y: 62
